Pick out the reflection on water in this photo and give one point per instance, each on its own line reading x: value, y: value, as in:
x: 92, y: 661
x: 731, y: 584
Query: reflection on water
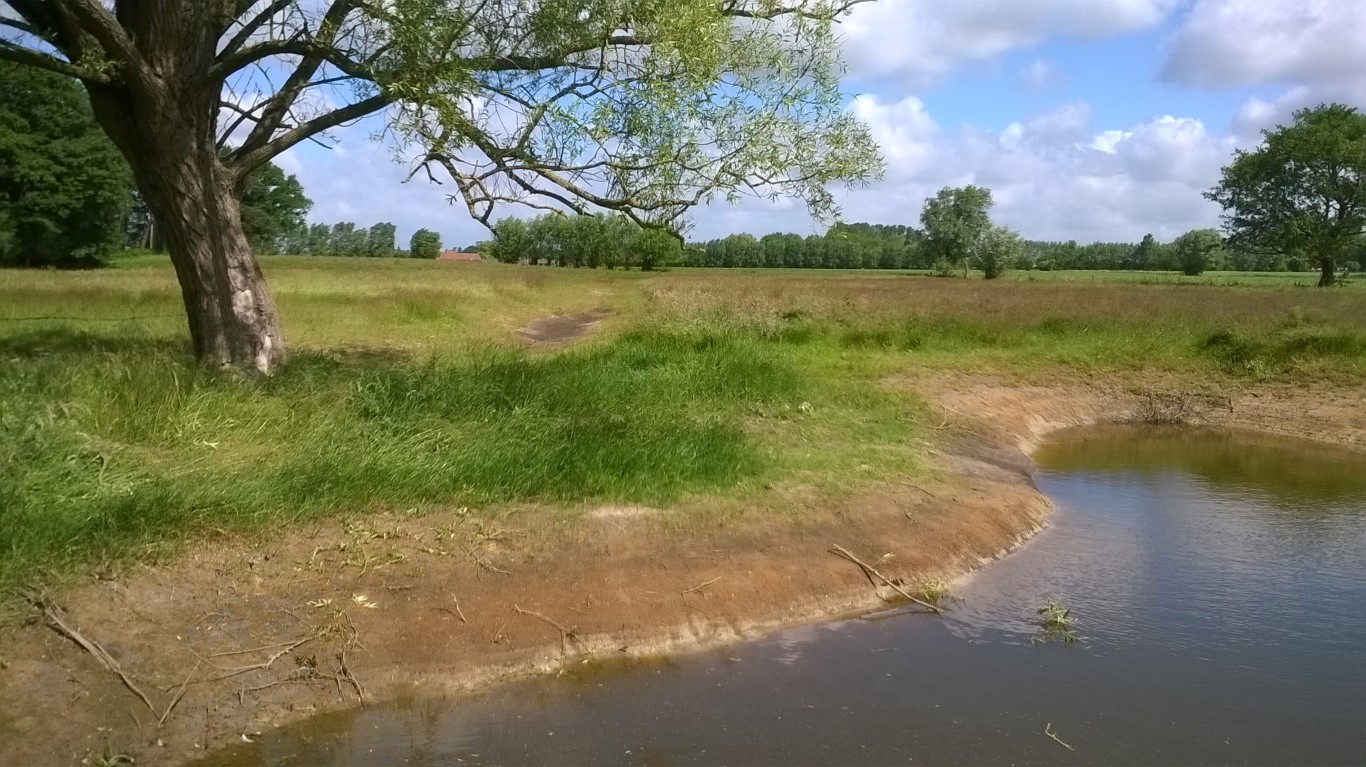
x: 1219, y: 582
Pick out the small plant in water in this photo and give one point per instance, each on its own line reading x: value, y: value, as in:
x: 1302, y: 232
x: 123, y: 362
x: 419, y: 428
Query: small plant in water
x: 936, y: 592
x: 1055, y: 622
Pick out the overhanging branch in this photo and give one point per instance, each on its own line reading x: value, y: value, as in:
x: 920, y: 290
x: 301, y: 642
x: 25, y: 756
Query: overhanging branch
x: 246, y: 160
x: 31, y: 58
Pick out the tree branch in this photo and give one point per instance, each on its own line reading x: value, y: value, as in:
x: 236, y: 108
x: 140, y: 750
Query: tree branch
x: 245, y: 160
x: 249, y: 28
x: 105, y: 29
x: 23, y: 26
x: 31, y: 58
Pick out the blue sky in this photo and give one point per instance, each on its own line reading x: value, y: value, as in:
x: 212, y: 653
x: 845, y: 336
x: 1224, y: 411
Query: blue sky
x: 1089, y: 119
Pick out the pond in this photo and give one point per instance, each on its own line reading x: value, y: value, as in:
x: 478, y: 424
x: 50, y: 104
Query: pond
x: 1217, y: 581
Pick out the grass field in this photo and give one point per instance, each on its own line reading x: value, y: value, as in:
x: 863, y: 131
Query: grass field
x: 706, y: 390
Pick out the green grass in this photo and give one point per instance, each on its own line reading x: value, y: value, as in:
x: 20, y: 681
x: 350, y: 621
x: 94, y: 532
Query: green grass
x: 407, y: 390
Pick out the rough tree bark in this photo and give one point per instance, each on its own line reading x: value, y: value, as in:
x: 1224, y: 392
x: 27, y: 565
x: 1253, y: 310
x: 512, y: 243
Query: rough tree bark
x: 162, y: 120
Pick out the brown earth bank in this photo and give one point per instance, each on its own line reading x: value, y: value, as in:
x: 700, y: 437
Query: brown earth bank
x: 236, y: 637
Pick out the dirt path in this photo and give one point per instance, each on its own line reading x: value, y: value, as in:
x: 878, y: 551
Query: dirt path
x: 562, y: 328
x: 244, y: 636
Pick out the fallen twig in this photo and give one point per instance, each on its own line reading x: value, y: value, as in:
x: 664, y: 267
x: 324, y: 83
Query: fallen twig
x: 176, y: 699
x: 486, y: 565
x: 1048, y: 730
x: 233, y: 671
x: 91, y: 646
x: 564, y: 632
x: 350, y: 677
x: 701, y: 586
x: 458, y: 611
x: 254, y: 649
x: 871, y: 571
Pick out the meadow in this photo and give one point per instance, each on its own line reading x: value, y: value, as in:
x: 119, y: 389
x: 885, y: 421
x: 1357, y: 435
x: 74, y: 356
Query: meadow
x: 719, y: 393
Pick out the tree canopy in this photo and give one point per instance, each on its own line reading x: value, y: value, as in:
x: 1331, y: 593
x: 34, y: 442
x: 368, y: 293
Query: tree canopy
x: 63, y: 186
x: 424, y: 244
x: 1302, y: 192
x: 609, y: 241
x: 1195, y: 249
x: 955, y: 221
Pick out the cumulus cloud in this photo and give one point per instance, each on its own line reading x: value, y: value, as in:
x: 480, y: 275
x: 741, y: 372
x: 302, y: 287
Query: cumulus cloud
x: 920, y: 41
x: 1314, y: 47
x: 1053, y: 176
x: 1223, y: 43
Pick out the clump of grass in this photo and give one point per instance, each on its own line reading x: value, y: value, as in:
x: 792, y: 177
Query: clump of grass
x: 1282, y: 350
x: 936, y: 592
x: 1055, y: 622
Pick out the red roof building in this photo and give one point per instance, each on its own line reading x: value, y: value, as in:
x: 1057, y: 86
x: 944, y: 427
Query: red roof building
x: 455, y: 255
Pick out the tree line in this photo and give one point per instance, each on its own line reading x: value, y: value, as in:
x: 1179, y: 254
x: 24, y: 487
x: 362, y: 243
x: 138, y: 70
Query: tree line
x: 608, y: 241
x: 345, y: 238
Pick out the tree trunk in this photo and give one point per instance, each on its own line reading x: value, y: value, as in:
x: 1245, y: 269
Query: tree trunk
x: 168, y: 139
x: 1327, y: 275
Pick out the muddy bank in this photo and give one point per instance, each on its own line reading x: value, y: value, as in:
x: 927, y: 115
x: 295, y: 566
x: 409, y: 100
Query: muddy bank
x: 243, y: 637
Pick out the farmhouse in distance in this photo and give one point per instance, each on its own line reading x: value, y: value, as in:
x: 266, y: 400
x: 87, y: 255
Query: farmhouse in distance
x: 455, y: 255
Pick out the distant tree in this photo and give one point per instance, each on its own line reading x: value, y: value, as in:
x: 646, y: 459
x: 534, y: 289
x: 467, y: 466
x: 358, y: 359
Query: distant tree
x: 272, y: 204
x: 424, y: 244
x: 1195, y: 249
x: 64, y: 189
x: 654, y: 248
x: 319, y: 236
x: 1303, y: 190
x: 742, y: 250
x: 1145, y: 255
x: 379, y: 241
x: 955, y: 220
x: 511, y: 240
x: 998, y: 249
x: 341, y: 241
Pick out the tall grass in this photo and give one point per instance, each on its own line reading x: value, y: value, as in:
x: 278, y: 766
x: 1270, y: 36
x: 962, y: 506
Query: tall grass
x: 128, y: 447
x: 407, y: 389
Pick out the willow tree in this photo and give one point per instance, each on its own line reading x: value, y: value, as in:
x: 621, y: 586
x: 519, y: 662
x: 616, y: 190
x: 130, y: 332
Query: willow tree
x: 646, y: 107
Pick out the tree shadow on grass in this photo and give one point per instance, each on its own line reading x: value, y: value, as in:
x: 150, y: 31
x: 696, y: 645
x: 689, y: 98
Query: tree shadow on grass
x: 62, y: 342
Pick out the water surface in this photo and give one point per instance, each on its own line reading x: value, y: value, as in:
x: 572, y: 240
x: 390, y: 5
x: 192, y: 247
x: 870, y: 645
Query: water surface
x: 1219, y: 582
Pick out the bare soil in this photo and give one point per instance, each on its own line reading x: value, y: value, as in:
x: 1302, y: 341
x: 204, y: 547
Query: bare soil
x: 561, y: 329
x: 246, y: 635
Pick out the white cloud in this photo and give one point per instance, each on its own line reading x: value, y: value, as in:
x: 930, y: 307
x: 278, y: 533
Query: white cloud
x: 1053, y: 176
x: 920, y: 41
x: 1317, y: 48
x: 1224, y: 43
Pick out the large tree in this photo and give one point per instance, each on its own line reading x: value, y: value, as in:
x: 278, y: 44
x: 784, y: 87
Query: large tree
x: 1303, y: 191
x: 63, y: 187
x: 646, y: 107
x: 955, y: 221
